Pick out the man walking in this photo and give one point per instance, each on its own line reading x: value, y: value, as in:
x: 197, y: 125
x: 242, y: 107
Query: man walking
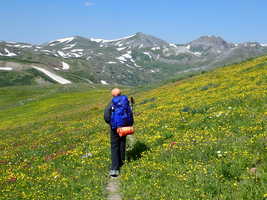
x: 118, y: 114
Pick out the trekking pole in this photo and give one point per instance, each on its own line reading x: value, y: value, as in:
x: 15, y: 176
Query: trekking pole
x: 132, y: 103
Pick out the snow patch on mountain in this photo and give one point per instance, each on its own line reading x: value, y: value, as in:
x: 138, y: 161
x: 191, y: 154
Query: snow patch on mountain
x: 111, y: 62
x: 120, y: 49
x: 124, y: 38
x: 154, y: 70
x: 197, y: 53
x: 63, y: 40
x: 9, y: 54
x: 26, y: 46
x: 173, y: 45
x: 76, y: 55
x: 115, y: 40
x: 119, y: 44
x: 264, y: 45
x: 96, y: 40
x: 103, y: 82
x: 148, y: 54
x: 62, y: 54
x: 123, y: 58
x: 155, y: 48
x: 70, y: 46
x: 19, y: 46
x: 47, y: 51
x: 6, y: 68
x: 77, y: 50
x: 55, y: 77
x: 65, y: 66
x: 128, y: 56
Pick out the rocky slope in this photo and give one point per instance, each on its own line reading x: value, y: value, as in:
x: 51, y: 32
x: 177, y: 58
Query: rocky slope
x: 133, y: 60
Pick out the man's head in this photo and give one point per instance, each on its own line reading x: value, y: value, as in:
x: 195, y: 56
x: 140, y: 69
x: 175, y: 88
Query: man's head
x: 116, y: 92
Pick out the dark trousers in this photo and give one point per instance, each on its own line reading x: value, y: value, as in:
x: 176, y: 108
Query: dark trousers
x: 118, y: 146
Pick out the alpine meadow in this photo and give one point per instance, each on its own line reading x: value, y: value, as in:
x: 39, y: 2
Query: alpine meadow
x: 133, y: 100
x: 201, y: 137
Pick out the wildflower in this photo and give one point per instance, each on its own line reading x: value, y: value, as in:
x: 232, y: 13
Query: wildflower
x: 219, y: 114
x: 172, y: 144
x: 219, y: 154
x: 12, y: 179
x: 87, y: 155
x: 253, y: 170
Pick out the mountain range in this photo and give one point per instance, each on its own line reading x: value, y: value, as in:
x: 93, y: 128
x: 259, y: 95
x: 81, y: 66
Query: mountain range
x: 133, y: 60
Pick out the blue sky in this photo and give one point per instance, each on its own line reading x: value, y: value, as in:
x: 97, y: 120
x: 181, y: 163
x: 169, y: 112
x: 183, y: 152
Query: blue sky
x: 38, y: 21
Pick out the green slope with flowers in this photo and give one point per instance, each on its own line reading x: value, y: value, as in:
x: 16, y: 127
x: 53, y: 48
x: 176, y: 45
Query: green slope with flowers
x: 207, y: 136
x: 199, y: 138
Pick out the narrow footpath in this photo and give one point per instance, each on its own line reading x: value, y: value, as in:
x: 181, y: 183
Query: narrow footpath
x: 113, y: 189
x: 113, y: 186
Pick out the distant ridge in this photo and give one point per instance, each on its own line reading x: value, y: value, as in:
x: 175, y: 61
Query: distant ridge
x: 133, y: 60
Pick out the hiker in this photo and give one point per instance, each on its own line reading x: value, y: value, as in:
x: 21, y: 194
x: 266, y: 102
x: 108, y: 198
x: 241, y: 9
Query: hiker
x: 118, y: 113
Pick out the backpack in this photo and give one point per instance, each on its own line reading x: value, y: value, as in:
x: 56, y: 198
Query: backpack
x: 121, y: 113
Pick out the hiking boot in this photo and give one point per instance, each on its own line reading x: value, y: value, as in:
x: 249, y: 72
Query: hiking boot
x: 114, y: 173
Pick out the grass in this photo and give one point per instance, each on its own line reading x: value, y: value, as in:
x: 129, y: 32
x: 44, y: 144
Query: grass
x: 203, y: 137
x: 18, y: 60
x: 206, y: 136
x: 44, y: 137
x: 14, y: 78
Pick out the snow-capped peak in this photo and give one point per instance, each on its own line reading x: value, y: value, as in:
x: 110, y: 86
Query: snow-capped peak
x: 96, y: 40
x: 115, y: 40
x: 63, y: 40
x: 264, y: 45
x: 124, y: 38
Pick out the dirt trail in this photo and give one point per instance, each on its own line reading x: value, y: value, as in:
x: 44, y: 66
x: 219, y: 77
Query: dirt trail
x: 113, y: 186
x: 113, y: 189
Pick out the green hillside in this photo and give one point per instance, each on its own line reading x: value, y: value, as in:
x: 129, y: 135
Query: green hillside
x: 199, y: 138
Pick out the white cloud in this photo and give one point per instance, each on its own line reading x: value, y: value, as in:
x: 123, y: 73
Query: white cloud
x: 88, y: 4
